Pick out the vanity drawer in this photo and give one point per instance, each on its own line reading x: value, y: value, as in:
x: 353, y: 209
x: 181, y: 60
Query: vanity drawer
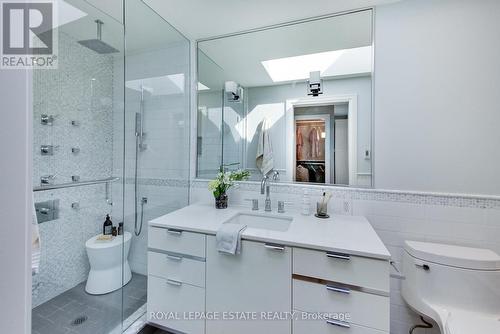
x: 302, y: 326
x: 177, y: 241
x: 177, y: 268
x: 363, y: 308
x: 169, y: 302
x: 342, y: 268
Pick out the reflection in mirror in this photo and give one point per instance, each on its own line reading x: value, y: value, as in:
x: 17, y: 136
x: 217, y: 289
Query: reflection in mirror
x: 294, y: 99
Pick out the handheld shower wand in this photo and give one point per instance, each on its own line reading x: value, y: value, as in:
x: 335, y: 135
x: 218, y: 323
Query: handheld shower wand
x: 139, y: 146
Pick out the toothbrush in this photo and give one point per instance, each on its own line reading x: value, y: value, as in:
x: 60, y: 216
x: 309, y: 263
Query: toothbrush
x: 321, y: 206
x: 325, y: 200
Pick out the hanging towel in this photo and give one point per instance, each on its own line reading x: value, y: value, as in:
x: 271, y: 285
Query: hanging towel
x: 35, y: 241
x: 228, y: 238
x: 264, y: 158
x: 314, y: 141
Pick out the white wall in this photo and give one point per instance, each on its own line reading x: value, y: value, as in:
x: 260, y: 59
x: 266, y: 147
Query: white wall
x: 436, y: 96
x: 15, y: 202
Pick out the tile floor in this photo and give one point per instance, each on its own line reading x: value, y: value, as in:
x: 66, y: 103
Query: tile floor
x: 103, y: 312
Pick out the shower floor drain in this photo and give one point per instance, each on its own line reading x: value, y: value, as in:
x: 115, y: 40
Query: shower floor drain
x: 80, y: 320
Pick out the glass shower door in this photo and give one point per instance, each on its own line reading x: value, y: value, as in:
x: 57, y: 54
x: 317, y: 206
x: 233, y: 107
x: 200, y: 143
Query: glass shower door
x: 156, y: 136
x: 78, y: 278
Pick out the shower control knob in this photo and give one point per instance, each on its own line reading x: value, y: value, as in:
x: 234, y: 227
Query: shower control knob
x: 47, y: 180
x: 46, y: 119
x: 47, y: 150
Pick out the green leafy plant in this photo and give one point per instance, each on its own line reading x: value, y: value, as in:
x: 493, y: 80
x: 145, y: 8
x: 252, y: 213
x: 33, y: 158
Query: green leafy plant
x: 226, y: 180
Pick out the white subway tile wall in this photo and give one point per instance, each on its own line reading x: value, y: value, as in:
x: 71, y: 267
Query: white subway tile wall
x: 396, y: 216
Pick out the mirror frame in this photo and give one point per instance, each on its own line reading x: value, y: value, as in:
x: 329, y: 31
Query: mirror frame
x: 290, y: 103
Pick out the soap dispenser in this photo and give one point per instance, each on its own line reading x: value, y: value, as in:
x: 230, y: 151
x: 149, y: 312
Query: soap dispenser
x: 107, y: 227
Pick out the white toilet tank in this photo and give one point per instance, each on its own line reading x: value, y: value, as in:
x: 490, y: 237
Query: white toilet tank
x: 440, y: 279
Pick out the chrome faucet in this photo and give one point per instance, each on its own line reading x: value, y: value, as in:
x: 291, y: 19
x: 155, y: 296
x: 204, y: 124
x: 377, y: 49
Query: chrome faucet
x: 264, y: 186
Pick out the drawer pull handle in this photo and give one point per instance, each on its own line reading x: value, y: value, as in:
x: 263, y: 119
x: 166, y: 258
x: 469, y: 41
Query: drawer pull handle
x: 174, y: 258
x: 337, y: 289
x: 174, y: 282
x: 275, y: 247
x: 173, y: 231
x: 340, y: 256
x: 338, y: 323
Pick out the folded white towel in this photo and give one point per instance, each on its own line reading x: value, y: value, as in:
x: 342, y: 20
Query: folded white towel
x: 228, y: 238
x: 35, y: 242
x: 264, y: 159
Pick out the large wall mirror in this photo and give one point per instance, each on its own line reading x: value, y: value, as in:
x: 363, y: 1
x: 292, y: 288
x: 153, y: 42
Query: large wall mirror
x: 295, y: 98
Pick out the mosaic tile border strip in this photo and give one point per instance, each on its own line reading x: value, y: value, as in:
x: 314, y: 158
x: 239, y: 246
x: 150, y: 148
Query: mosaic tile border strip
x: 158, y: 182
x: 424, y: 198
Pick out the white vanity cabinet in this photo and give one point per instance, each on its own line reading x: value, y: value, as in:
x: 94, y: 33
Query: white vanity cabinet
x: 354, y: 290
x: 257, y: 280
x: 241, y: 293
x: 176, y: 279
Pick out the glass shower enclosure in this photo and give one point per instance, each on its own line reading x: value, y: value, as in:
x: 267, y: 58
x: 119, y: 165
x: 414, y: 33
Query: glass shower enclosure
x: 110, y: 137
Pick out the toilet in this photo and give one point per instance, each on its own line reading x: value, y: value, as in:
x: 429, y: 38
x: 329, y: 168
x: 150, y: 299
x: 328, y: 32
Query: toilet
x: 105, y: 259
x: 458, y: 287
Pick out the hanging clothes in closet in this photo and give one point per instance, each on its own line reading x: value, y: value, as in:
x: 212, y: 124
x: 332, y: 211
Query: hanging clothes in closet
x: 299, y: 143
x: 314, y: 140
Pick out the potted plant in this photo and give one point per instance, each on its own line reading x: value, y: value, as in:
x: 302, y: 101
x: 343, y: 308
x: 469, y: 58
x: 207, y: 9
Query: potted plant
x: 224, y: 181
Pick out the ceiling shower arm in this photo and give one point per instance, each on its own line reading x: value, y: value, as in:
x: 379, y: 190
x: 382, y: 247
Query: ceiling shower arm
x: 99, y: 29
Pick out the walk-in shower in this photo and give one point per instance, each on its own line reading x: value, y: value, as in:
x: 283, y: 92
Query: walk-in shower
x: 110, y: 137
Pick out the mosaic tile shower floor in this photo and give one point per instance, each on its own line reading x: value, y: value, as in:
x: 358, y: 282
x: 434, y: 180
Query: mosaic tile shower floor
x: 100, y: 314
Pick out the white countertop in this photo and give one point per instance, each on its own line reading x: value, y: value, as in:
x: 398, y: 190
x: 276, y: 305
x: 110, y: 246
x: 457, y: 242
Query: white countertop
x: 339, y: 233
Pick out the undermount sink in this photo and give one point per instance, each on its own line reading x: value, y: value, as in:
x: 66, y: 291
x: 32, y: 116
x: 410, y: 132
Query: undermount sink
x: 263, y: 222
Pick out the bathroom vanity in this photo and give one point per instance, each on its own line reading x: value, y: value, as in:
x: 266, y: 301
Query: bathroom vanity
x: 295, y: 273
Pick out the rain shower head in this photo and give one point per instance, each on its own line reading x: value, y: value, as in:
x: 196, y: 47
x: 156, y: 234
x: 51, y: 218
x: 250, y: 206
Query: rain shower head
x: 97, y: 44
